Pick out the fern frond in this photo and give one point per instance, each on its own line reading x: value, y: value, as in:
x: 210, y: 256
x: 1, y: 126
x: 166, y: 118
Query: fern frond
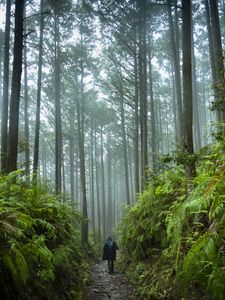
x: 47, y: 226
x: 9, y: 264
x: 202, y: 251
x: 217, y: 207
x: 21, y: 264
x: 216, y: 281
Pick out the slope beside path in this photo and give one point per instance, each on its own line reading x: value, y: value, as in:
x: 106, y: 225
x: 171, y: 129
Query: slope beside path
x: 103, y: 285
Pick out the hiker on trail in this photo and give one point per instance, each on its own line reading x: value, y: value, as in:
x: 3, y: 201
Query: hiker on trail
x: 109, y: 253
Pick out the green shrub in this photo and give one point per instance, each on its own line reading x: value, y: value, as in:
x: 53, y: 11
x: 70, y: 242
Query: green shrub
x: 143, y: 226
x: 143, y: 236
x: 41, y: 256
x: 196, y: 226
x: 178, y: 239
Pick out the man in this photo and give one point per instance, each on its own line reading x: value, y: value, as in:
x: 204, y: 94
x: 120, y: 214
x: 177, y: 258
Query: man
x: 109, y: 253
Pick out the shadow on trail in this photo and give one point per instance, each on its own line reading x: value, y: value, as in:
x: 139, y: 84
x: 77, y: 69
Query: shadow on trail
x: 103, y: 285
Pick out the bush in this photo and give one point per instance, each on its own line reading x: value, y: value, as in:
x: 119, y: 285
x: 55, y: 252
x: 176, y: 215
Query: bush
x: 143, y: 236
x: 178, y: 239
x: 41, y: 256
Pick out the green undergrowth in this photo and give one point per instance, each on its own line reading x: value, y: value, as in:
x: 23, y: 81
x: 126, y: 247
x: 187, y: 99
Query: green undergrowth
x: 173, y: 245
x: 41, y: 256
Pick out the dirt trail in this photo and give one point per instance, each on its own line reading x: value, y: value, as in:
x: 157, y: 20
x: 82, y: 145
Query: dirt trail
x: 103, y: 285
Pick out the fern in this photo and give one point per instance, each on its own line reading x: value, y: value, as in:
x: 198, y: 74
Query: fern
x: 216, y: 281
x: 194, y: 227
x: 217, y: 207
x: 20, y: 263
x: 33, y: 224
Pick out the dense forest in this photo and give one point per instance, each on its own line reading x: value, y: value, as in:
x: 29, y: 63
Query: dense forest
x: 112, y: 123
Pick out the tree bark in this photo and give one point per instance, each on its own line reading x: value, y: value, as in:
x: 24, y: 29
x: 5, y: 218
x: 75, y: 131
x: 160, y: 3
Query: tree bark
x: 211, y: 50
x: 26, y: 115
x: 136, y: 126
x: 176, y: 64
x: 196, y: 118
x: 109, y: 171
x: 80, y: 118
x: 84, y: 229
x: 143, y: 92
x: 218, y: 60
x: 152, y: 110
x: 5, y: 96
x: 130, y: 172
x: 103, y: 186
x: 1, y: 65
x: 187, y: 87
x: 44, y: 161
x: 16, y: 87
x: 123, y: 131
x: 72, y: 150
x: 97, y: 186
x: 92, y: 190
x: 38, y: 104
x: 58, y: 125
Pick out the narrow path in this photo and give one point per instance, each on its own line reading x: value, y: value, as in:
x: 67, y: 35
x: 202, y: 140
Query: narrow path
x: 105, y: 286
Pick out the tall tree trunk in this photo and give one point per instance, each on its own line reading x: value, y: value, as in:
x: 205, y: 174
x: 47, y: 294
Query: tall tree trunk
x: 152, y: 110
x: 58, y: 125
x: 84, y: 230
x: 26, y: 115
x: 77, y: 199
x: 143, y: 92
x: 80, y: 111
x: 176, y: 63
x: 16, y: 87
x: 92, y: 192
x: 1, y: 66
x: 63, y: 176
x: 187, y: 87
x: 175, y: 108
x: 196, y: 118
x: 130, y: 171
x: 123, y: 131
x: 136, y: 125
x: 211, y: 50
x: 103, y: 186
x: 204, y: 132
x: 114, y: 207
x: 38, y: 104
x: 109, y: 168
x: 44, y: 161
x: 5, y: 97
x: 72, y: 150
x: 136, y: 128
x: 158, y: 122
x: 97, y: 186
x: 218, y: 60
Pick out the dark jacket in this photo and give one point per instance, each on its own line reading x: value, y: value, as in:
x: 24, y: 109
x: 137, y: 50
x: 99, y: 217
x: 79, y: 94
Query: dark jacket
x: 109, y: 250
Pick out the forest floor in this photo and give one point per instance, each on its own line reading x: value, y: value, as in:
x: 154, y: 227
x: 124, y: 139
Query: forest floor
x: 103, y: 285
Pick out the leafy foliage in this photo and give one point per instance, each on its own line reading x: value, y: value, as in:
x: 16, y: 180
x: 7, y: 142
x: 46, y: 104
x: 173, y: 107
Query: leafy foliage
x: 143, y: 234
x: 187, y: 231
x: 41, y: 255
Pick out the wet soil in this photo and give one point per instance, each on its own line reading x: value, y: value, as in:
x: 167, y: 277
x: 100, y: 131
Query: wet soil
x: 103, y: 285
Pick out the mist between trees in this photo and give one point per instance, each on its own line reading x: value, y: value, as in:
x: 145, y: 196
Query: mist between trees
x: 95, y: 93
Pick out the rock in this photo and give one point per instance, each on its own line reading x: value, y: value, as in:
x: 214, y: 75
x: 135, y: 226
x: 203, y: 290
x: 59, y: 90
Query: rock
x: 96, y: 291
